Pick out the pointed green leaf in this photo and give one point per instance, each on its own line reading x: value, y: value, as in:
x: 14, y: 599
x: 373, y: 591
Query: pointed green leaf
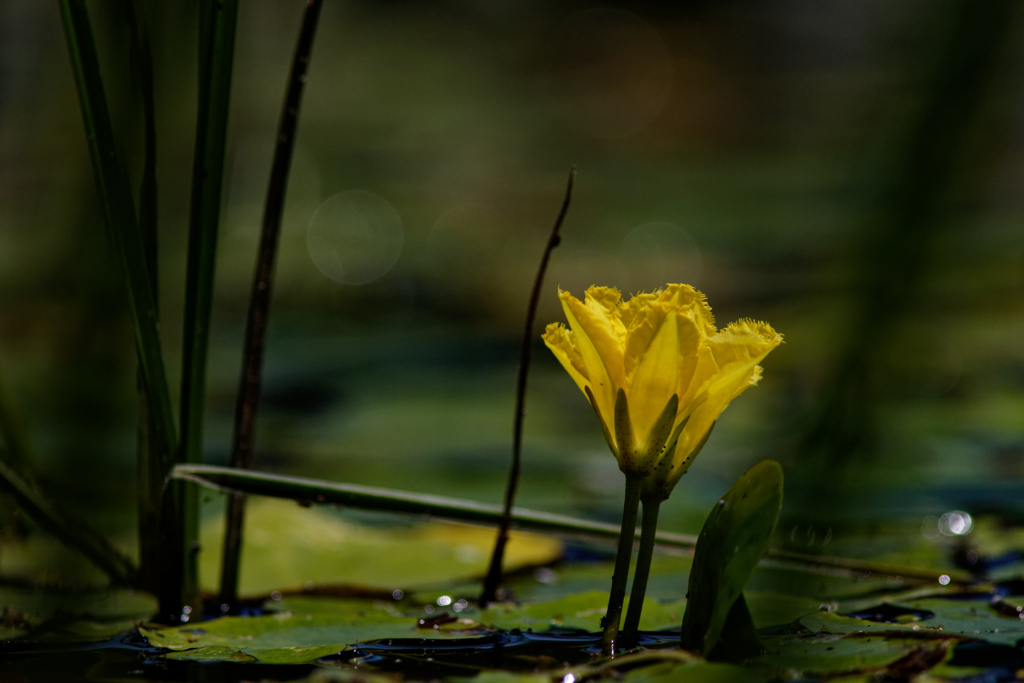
x: 739, y: 639
x: 729, y: 547
x: 662, y: 429
x: 624, y: 433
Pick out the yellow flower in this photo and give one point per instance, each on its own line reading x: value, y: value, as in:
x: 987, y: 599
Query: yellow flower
x: 657, y: 372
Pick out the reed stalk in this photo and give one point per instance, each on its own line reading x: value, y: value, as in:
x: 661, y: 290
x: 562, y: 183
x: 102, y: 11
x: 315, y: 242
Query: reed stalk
x: 259, y: 299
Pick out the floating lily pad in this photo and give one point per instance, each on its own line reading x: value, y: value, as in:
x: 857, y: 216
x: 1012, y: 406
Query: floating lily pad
x: 772, y: 609
x: 287, y: 546
x: 974, y: 619
x: 582, y: 611
x: 288, y: 637
x: 970, y: 618
x: 696, y: 672
x: 503, y: 677
x: 832, y: 653
x: 667, y: 580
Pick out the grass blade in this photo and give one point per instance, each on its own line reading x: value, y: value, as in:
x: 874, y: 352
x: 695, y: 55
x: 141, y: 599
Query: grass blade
x: 74, y: 534
x: 142, y: 67
x: 119, y: 217
x: 259, y: 302
x: 217, y: 23
x: 15, y: 478
x: 306, y: 491
x: 217, y: 46
x: 126, y: 241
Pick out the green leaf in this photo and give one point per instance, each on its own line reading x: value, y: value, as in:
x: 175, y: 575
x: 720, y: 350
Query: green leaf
x: 729, y: 547
x: 581, y: 611
x: 696, y: 672
x: 75, y: 533
x: 286, y: 545
x: 738, y: 639
x: 773, y: 609
x: 216, y: 57
x: 119, y: 217
x: 291, y: 637
x: 829, y: 653
x: 668, y: 576
x: 970, y: 618
x: 373, y: 498
x: 217, y: 24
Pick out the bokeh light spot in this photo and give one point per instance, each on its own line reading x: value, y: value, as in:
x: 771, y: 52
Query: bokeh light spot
x: 355, y: 237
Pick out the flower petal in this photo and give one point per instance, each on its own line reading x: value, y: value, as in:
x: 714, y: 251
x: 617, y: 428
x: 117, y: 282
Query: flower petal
x: 644, y: 323
x: 704, y: 417
x: 655, y: 379
x: 729, y: 356
x: 603, y: 302
x: 686, y: 298
x: 628, y: 311
x: 607, y: 298
x: 599, y: 350
x: 563, y: 344
x: 691, y: 335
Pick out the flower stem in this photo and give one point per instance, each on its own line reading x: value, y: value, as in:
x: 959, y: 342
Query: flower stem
x: 648, y: 528
x: 622, y: 557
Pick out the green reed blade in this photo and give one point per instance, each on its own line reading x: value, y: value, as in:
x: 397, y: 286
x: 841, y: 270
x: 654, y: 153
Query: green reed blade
x: 216, y: 51
x: 217, y: 21
x: 142, y: 68
x: 72, y: 533
x: 119, y: 218
x: 306, y: 490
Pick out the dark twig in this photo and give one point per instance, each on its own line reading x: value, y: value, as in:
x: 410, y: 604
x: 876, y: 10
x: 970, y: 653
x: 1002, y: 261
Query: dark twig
x: 259, y: 302
x: 490, y: 590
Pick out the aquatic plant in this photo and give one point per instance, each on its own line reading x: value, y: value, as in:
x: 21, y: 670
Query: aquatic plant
x: 658, y: 374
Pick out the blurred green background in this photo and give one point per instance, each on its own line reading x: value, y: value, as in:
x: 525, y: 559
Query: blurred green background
x: 850, y: 172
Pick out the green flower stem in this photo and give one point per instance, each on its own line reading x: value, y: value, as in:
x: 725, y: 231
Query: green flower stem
x: 648, y: 530
x: 621, y: 574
